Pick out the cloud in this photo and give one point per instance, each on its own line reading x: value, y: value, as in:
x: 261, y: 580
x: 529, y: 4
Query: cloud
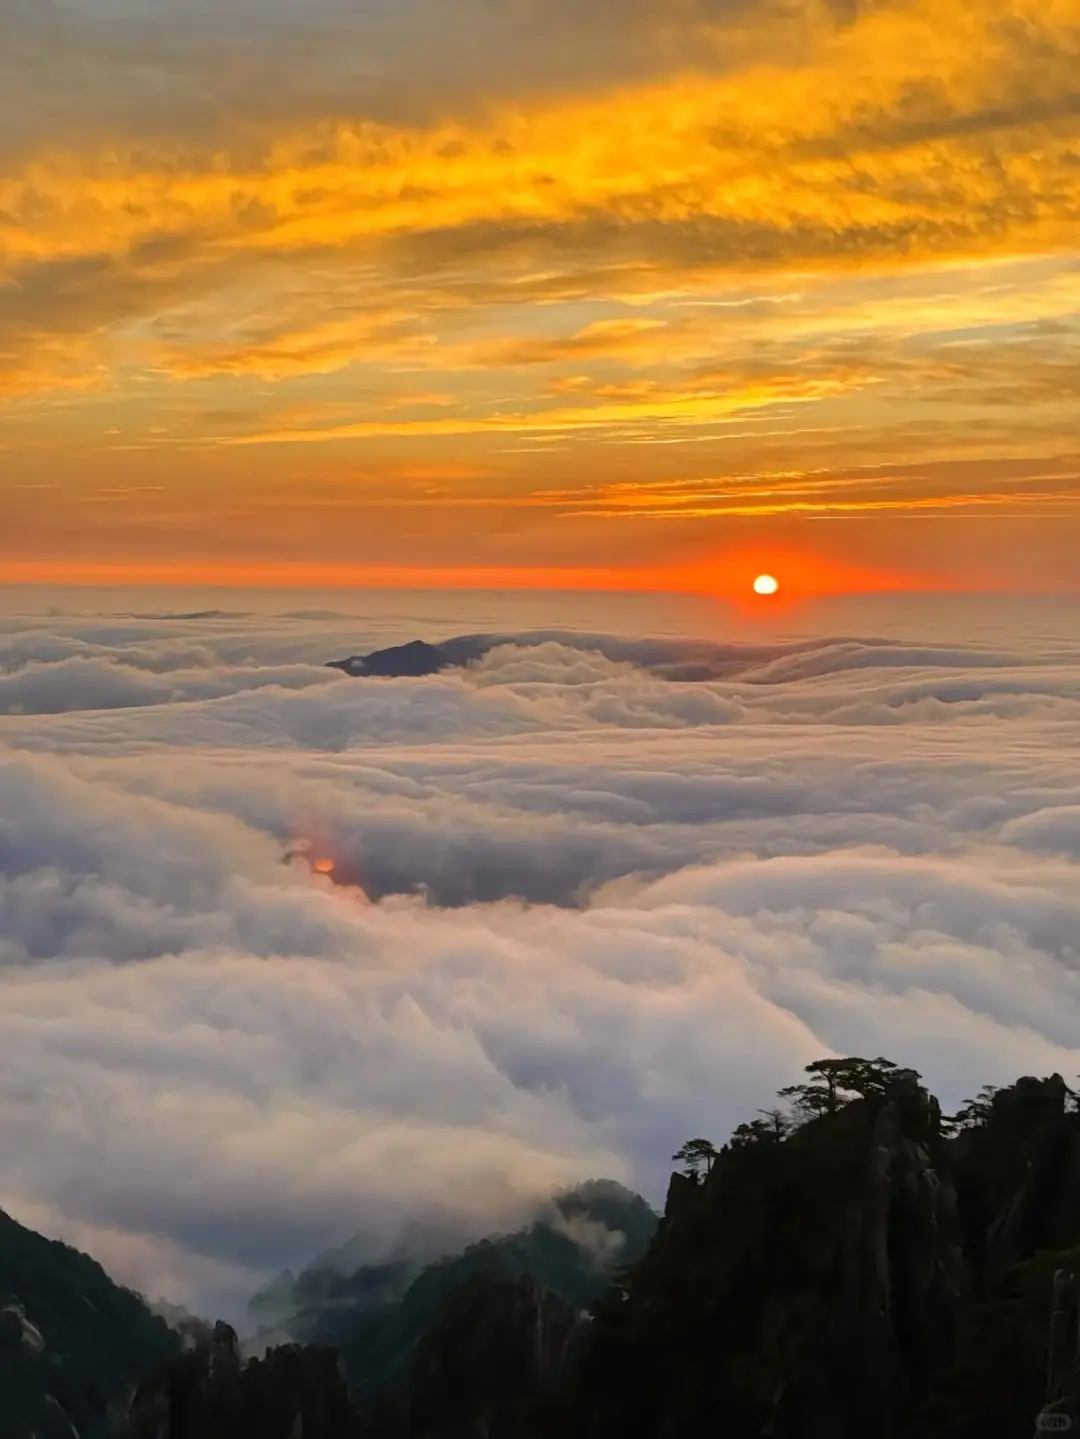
x: 1054, y: 830
x: 858, y: 152
x: 92, y: 684
x: 592, y: 894
x: 669, y: 239
x: 851, y: 491
x: 192, y: 70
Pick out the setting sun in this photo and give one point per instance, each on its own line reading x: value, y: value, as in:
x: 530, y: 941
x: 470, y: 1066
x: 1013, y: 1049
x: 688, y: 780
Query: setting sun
x: 766, y: 585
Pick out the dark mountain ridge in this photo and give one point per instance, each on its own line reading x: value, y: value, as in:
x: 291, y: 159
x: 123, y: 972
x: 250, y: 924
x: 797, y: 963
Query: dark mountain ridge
x: 685, y: 661
x: 211, y: 1392
x: 72, y: 1343
x: 412, y: 661
x: 856, y: 1264
x: 864, y: 1266
x: 852, y: 1263
x: 377, y: 1314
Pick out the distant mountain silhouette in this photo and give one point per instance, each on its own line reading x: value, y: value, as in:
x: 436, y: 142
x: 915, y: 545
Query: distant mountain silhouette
x: 376, y: 1314
x: 401, y: 662
x: 682, y: 661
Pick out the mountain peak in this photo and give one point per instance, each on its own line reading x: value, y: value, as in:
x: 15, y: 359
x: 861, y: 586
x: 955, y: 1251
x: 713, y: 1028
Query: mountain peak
x: 409, y: 661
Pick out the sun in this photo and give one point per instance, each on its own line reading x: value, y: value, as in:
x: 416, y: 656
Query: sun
x: 766, y: 585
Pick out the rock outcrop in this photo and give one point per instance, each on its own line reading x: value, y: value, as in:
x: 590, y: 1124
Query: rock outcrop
x: 866, y: 1273
x: 1016, y: 1169
x: 497, y: 1352
x: 378, y: 1314
x: 888, y: 1312
x: 212, y: 1393
x: 862, y: 1267
x: 1026, y: 1163
x: 72, y: 1343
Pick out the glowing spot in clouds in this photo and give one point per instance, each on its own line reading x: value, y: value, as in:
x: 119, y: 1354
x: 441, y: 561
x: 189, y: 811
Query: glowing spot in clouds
x: 766, y: 585
x: 323, y: 866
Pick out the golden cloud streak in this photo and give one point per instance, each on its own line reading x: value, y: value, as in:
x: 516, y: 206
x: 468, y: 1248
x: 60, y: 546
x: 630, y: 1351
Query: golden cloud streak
x: 880, y: 221
x: 695, y: 408
x: 892, y: 139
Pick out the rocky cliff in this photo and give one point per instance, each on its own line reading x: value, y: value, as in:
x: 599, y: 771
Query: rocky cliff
x: 377, y: 1314
x: 873, y: 1270
x: 495, y: 1353
x: 807, y: 1287
x: 858, y: 1265
x: 72, y: 1343
x: 212, y: 1393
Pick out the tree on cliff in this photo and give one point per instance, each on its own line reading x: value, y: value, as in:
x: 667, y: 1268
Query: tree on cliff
x: 696, y: 1155
x: 974, y: 1113
x: 771, y: 1128
x: 835, y: 1082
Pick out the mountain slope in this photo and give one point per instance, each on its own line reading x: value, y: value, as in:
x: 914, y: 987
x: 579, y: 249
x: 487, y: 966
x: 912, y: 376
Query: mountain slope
x: 72, y: 1343
x: 211, y: 1392
x: 377, y: 1314
x: 870, y: 1272
x: 861, y: 1266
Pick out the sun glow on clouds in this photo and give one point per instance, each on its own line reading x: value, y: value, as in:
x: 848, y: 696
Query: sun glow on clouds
x: 726, y: 269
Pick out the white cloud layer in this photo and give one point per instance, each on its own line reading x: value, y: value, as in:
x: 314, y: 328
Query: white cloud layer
x: 613, y: 907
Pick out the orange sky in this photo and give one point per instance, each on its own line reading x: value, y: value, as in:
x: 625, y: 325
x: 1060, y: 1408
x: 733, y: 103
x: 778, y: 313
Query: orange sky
x: 730, y: 575
x: 647, y: 294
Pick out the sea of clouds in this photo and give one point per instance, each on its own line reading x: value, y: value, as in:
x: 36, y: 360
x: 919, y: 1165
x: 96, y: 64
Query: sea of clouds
x: 591, y: 896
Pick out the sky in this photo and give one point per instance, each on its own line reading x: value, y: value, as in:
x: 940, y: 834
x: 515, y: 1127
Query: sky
x: 596, y: 293
x: 288, y: 957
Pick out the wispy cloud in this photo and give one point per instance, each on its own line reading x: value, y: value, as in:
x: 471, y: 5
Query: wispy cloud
x: 744, y: 232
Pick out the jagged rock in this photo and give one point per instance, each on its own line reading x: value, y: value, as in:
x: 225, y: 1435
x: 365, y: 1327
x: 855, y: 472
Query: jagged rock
x: 210, y: 1393
x: 862, y: 1275
x: 1063, y: 1343
x: 888, y: 1326
x: 806, y: 1288
x: 683, y: 1193
x: 1043, y: 1209
x: 1017, y: 1174
x: 17, y: 1331
x: 495, y: 1346
x: 72, y: 1342
x: 867, y: 1275
x: 376, y: 1314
